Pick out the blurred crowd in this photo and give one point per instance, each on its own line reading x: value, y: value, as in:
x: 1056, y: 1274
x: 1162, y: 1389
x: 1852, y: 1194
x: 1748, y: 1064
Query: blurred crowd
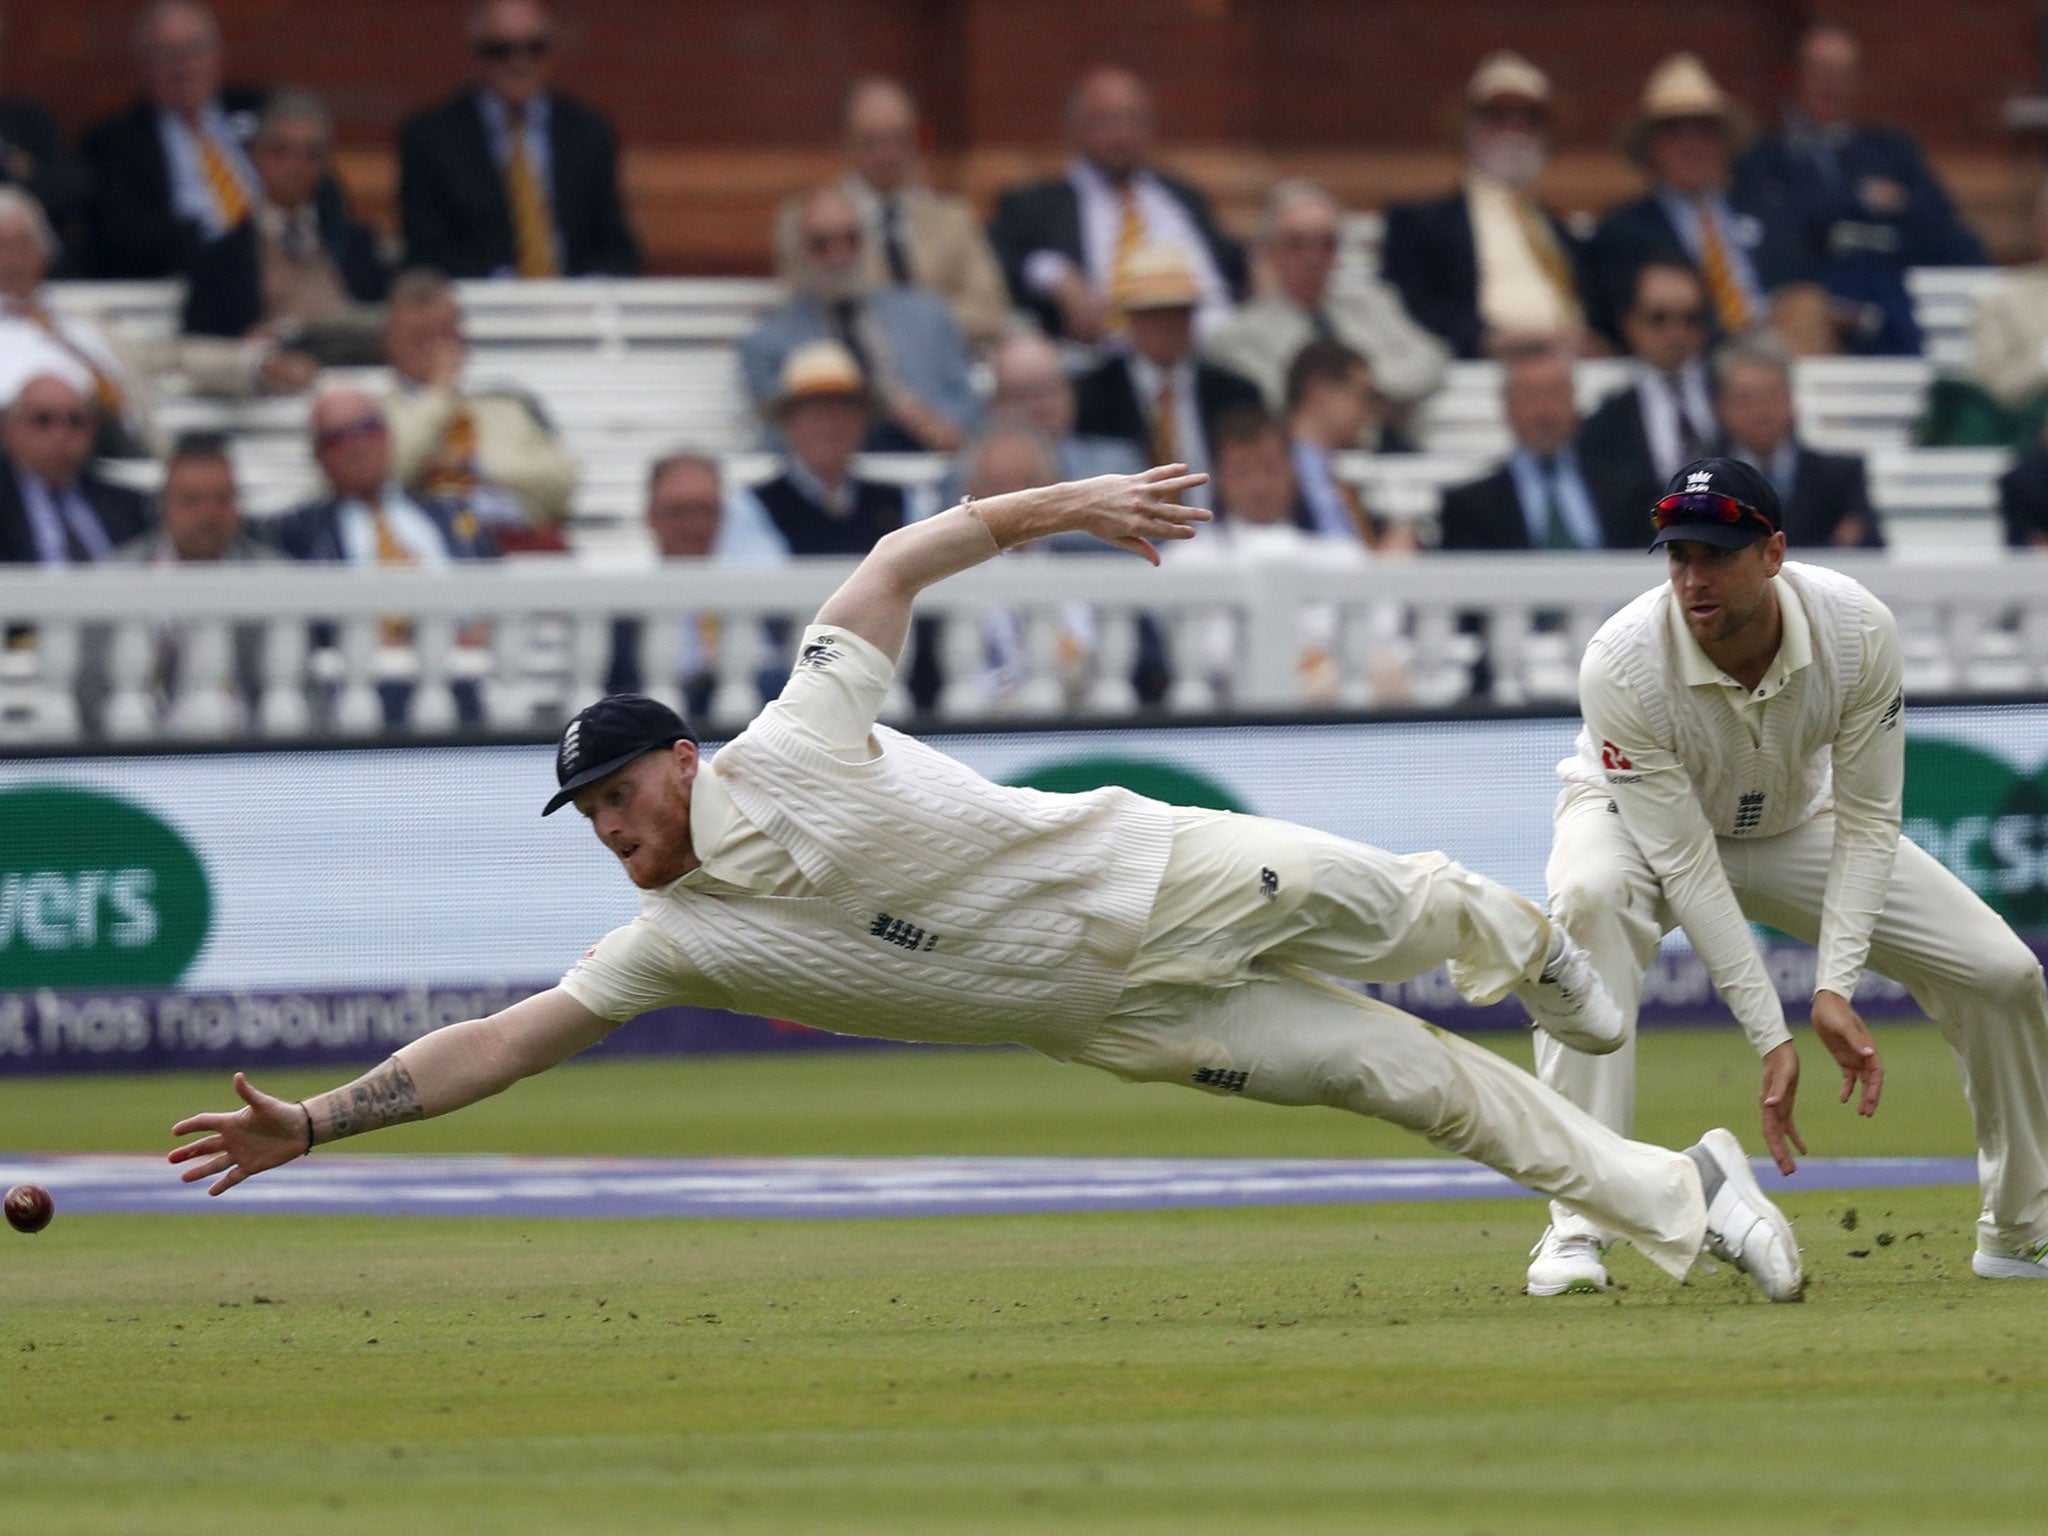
x: 1100, y: 320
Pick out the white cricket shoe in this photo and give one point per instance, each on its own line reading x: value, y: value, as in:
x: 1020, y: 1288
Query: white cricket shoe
x: 1571, y: 1004
x: 1743, y: 1226
x: 2011, y: 1266
x: 1562, y: 1263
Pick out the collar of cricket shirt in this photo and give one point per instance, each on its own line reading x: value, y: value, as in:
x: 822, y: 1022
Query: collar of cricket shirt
x: 1795, y: 650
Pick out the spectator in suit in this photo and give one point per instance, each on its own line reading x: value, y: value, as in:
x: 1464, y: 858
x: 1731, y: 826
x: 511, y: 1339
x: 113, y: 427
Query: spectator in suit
x: 687, y: 517
x: 293, y: 283
x: 1259, y: 519
x: 1066, y: 244
x: 1640, y: 436
x: 367, y: 518
x: 1031, y: 385
x: 1155, y: 393
x: 913, y: 236
x: 33, y: 331
x: 903, y: 338
x: 173, y: 171
x: 1539, y: 498
x: 1860, y: 201
x: 1684, y: 137
x: 1332, y: 408
x: 2023, y: 501
x: 817, y: 504
x: 508, y: 178
x: 1488, y: 268
x: 1824, y: 499
x: 201, y: 524
x: 1307, y: 300
x: 490, y: 450
x: 35, y: 158
x: 53, y: 509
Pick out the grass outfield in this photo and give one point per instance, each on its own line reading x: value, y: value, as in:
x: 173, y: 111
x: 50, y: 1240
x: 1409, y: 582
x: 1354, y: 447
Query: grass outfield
x: 1308, y: 1369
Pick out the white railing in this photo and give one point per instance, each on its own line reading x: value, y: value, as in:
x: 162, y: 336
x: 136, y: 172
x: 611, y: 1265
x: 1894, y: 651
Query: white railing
x: 295, y: 652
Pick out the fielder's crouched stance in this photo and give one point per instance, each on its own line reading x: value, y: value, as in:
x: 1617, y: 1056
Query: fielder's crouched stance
x: 1743, y: 758
x: 826, y: 869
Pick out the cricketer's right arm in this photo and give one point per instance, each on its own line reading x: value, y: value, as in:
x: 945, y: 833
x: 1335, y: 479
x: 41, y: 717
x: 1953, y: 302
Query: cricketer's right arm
x: 437, y: 1073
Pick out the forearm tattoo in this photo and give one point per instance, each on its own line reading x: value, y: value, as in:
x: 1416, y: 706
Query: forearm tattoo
x: 382, y: 1096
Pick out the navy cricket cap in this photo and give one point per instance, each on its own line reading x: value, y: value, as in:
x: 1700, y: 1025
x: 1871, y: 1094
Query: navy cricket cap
x: 1722, y: 502
x: 609, y: 734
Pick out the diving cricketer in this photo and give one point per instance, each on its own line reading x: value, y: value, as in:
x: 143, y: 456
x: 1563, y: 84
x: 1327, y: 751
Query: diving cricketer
x: 823, y: 868
x: 1743, y: 758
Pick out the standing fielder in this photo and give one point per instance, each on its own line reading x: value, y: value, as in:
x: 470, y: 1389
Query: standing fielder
x: 827, y: 869
x: 1743, y: 758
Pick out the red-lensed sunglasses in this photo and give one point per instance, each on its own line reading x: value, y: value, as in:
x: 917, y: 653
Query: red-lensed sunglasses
x: 1705, y: 507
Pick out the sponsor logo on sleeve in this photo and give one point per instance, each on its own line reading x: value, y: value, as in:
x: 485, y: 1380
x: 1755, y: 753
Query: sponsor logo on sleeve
x: 821, y: 653
x: 1616, y: 764
x: 1893, y: 711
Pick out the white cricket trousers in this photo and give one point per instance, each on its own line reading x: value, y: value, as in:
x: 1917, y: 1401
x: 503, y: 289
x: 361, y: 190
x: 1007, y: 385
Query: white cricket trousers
x: 1967, y: 970
x: 1223, y: 997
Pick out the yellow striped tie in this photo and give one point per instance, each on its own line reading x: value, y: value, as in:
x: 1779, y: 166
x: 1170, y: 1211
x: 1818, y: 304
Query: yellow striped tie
x: 1731, y: 304
x: 230, y: 200
x: 396, y: 629
x: 1130, y: 234
x: 1550, y: 255
x: 533, y: 223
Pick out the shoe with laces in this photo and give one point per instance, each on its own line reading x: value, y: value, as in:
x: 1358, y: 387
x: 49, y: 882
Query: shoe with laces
x: 1571, y: 1004
x: 1563, y: 1263
x: 1743, y: 1226
x: 2032, y: 1265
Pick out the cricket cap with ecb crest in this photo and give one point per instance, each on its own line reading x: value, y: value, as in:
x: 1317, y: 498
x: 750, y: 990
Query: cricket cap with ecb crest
x: 609, y: 734
x: 1722, y: 502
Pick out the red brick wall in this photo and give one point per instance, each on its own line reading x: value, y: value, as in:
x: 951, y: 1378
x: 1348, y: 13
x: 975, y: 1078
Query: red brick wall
x: 1283, y: 73
x: 1364, y: 91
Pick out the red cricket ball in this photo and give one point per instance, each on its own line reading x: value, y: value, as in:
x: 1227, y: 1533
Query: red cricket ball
x: 29, y: 1207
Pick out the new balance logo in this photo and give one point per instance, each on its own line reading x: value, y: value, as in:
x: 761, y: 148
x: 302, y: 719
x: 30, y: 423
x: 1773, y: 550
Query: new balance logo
x: 1612, y: 758
x: 1892, y: 711
x: 1749, y: 812
x: 1269, y: 884
x: 820, y: 653
x: 1222, y: 1080
x: 894, y: 930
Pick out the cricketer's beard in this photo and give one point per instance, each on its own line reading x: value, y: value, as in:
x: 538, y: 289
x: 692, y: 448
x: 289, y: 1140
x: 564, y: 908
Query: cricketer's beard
x: 1515, y: 158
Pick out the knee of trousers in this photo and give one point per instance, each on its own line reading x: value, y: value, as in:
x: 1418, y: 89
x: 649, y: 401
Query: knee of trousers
x: 1587, y: 899
x: 2010, y: 976
x: 1402, y: 1093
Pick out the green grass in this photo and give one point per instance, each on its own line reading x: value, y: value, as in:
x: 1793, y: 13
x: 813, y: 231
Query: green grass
x: 1316, y: 1369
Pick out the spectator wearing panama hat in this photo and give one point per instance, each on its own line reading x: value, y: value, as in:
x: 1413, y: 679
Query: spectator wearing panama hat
x: 1685, y: 137
x: 1487, y: 267
x: 1155, y: 393
x: 823, y: 406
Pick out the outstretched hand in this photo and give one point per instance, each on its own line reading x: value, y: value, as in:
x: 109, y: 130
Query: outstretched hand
x: 1842, y: 1031
x: 1774, y: 1103
x: 264, y: 1133
x: 1131, y: 511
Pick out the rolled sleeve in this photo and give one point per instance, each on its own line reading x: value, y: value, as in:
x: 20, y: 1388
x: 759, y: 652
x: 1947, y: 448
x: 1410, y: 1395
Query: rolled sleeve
x: 630, y: 971
x: 1654, y: 795
x: 836, y: 690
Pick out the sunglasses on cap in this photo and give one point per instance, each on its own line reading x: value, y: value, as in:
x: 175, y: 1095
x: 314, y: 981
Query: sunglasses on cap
x: 1706, y: 507
x: 500, y: 50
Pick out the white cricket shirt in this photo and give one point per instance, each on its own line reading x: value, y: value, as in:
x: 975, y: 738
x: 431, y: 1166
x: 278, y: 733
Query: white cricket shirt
x: 1689, y: 756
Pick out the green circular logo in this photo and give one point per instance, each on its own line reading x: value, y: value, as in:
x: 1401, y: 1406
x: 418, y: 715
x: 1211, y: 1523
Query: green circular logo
x: 1161, y: 781
x: 95, y: 892
x: 1986, y: 820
